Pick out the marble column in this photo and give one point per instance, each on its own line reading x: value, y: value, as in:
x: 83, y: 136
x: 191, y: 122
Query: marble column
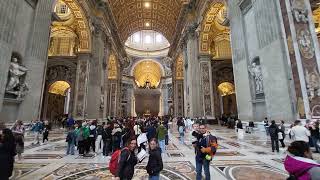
x: 96, y: 67
x: 36, y: 61
x: 304, y: 55
x: 105, y: 79
x: 207, y: 88
x: 192, y: 74
x: 8, y: 13
x: 81, y: 87
x: 178, y: 98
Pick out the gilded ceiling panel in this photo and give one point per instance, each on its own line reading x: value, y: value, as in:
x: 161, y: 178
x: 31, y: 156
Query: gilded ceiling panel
x: 135, y: 15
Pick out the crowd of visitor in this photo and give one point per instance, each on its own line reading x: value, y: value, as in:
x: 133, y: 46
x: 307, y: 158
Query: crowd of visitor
x: 127, y: 141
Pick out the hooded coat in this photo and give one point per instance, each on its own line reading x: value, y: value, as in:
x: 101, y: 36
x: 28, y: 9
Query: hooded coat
x: 302, y: 168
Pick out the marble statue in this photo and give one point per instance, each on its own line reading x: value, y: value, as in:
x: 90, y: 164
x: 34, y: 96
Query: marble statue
x: 300, y: 11
x: 255, y: 71
x: 313, y: 83
x: 15, y: 85
x: 101, y: 101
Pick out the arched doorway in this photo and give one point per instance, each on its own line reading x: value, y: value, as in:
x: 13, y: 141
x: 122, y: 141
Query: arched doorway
x: 57, y: 101
x: 227, y: 98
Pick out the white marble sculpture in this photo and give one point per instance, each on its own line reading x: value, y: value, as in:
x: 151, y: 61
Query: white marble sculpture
x: 14, y: 85
x: 255, y: 71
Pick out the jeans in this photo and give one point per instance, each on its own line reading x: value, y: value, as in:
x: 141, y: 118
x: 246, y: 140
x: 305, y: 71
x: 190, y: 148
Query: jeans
x: 206, y: 168
x: 275, y: 144
x: 154, y: 177
x: 162, y: 145
x: 106, y: 147
x: 315, y: 143
x: 182, y: 138
x: 99, y: 144
x: 70, y: 149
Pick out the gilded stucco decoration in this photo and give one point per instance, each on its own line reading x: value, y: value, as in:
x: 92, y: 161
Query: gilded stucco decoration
x: 136, y: 15
x: 59, y: 87
x: 112, y: 67
x: 179, y: 67
x: 72, y: 19
x: 316, y: 19
x: 215, y: 35
x: 147, y: 71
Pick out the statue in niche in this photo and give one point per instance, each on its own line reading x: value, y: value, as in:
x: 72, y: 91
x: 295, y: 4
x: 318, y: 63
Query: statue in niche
x: 16, y: 85
x: 255, y: 71
x: 305, y: 43
x: 313, y: 83
x: 101, y: 101
x: 167, y: 63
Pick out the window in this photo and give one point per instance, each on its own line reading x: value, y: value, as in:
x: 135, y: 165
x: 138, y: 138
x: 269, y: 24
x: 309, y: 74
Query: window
x: 158, y: 38
x: 148, y: 39
x: 136, y: 37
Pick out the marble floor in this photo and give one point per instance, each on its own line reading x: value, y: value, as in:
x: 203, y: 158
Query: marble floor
x: 249, y: 158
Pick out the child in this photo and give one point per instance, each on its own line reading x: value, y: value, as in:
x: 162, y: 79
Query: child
x: 71, y: 140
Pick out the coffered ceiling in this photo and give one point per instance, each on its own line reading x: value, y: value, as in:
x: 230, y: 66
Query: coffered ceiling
x: 135, y: 15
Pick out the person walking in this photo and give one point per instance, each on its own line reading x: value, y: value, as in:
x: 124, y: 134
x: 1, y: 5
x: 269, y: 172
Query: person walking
x: 37, y: 128
x: 282, y: 130
x: 181, y: 129
x: 45, y: 134
x: 71, y: 140
x: 116, y: 137
x: 127, y: 161
x: 155, y: 164
x: 161, y: 135
x: 205, y: 149
x: 273, y: 132
x: 18, y: 131
x: 299, y: 162
x: 315, y: 135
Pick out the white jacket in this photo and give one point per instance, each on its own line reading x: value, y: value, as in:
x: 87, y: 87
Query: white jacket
x: 300, y: 133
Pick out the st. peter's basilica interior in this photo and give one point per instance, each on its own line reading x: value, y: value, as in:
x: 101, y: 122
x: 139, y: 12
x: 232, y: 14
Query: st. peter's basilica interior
x: 131, y: 61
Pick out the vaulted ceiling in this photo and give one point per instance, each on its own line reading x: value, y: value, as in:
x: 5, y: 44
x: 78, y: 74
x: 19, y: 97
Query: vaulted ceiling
x: 135, y: 15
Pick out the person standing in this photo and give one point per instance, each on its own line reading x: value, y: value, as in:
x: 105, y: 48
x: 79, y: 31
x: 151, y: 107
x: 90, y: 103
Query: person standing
x: 71, y: 140
x: 107, y: 139
x: 273, y: 131
x: 161, y: 135
x: 299, y: 132
x: 92, y: 136
x: 45, y: 133
x: 155, y: 164
x: 127, y: 161
x: 266, y: 125
x: 37, y: 128
x: 99, y: 140
x: 181, y: 129
x: 7, y: 152
x: 315, y: 135
x: 137, y: 129
x: 18, y: 132
x: 282, y: 130
x: 116, y: 137
x: 205, y: 148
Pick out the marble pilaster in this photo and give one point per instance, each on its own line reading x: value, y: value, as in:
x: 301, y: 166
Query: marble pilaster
x: 207, y: 86
x: 8, y: 13
x: 36, y: 61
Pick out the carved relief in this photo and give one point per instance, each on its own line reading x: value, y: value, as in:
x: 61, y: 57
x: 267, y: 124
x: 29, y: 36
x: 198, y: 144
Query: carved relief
x: 300, y: 11
x: 59, y: 72
x: 16, y: 85
x: 313, y: 83
x: 305, y: 43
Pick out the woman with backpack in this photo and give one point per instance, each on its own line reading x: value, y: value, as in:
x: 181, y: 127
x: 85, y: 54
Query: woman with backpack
x: 127, y: 160
x: 299, y: 163
x: 155, y: 164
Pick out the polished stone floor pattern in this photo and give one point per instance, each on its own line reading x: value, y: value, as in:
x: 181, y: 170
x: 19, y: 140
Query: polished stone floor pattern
x: 248, y: 158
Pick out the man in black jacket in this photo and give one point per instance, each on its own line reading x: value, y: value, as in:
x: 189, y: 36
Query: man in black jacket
x: 273, y: 131
x: 107, y: 139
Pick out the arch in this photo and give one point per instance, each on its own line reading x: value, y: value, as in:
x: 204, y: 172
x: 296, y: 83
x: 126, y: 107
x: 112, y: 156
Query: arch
x: 215, y: 35
x: 59, y: 87
x: 147, y: 71
x: 137, y: 62
x: 226, y: 88
x: 80, y: 21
